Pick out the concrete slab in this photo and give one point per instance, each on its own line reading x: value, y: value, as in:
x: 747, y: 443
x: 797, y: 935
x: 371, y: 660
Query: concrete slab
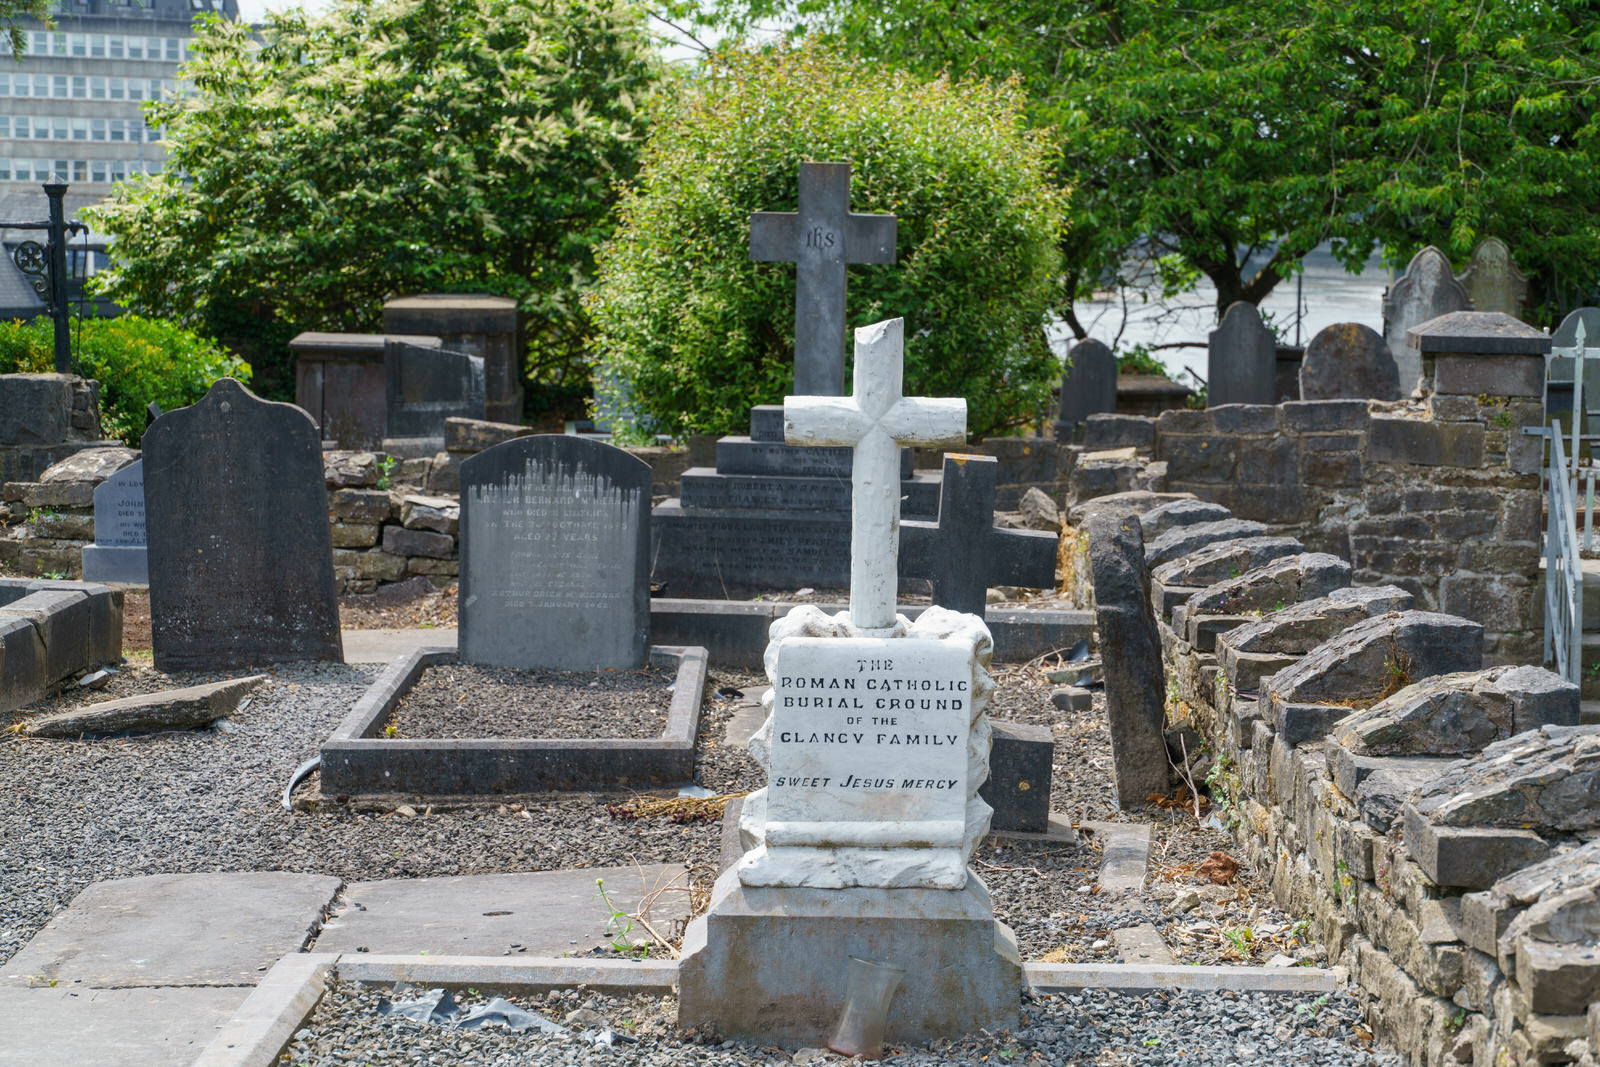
x: 1060, y: 832
x: 121, y: 1027
x: 384, y: 646
x: 1124, y: 854
x: 548, y: 913
x: 269, y: 1016
x: 517, y: 975
x: 744, y: 723
x: 175, y: 929
x: 1068, y: 977
x: 1142, y: 944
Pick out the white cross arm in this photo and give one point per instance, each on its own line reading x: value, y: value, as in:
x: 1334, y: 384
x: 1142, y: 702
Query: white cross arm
x: 824, y: 420
x: 927, y: 422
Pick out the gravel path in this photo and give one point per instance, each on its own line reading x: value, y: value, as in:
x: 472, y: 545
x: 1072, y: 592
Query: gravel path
x: 1153, y: 1029
x: 466, y: 701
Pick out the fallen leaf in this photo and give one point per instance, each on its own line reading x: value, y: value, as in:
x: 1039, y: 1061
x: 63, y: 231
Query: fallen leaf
x: 1219, y: 868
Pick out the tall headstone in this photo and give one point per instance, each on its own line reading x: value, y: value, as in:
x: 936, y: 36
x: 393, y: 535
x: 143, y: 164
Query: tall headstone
x: 119, y: 552
x: 1088, y: 386
x: 1348, y: 361
x: 875, y: 747
x: 241, y: 557
x: 1242, y: 359
x: 1135, y: 682
x: 1560, y: 370
x: 425, y: 386
x: 821, y: 238
x: 1427, y: 290
x: 555, y: 563
x: 1492, y: 280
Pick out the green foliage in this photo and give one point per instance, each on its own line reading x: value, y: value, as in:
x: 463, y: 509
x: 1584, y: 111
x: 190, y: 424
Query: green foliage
x: 691, y: 333
x: 619, y: 927
x: 387, y: 147
x: 1210, y: 131
x: 1138, y: 360
x: 136, y: 361
x: 15, y: 37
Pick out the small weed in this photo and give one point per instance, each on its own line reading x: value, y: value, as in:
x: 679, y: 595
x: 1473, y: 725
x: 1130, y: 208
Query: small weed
x: 1457, y: 1021
x: 1312, y: 1008
x: 385, y: 466
x: 56, y: 576
x: 1240, y: 939
x: 40, y: 514
x: 1222, y: 781
x: 391, y: 731
x: 620, y: 926
x: 1502, y: 419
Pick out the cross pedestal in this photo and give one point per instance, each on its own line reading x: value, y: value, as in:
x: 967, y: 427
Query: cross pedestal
x: 820, y: 239
x: 877, y: 421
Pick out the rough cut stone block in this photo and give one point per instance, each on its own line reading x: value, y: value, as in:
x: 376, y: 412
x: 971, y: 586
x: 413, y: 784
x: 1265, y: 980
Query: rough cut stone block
x: 1469, y: 857
x: 402, y: 542
x: 475, y: 435
x: 1165, y: 599
x: 1392, y: 439
x: 1313, y: 416
x: 1273, y: 586
x: 1174, y: 513
x: 1222, y: 560
x: 1206, y: 460
x: 171, y: 709
x: 35, y: 409
x: 1246, y: 670
x: 58, y: 494
x: 1132, y: 502
x: 1134, y: 677
x: 441, y: 514
x: 1489, y: 375
x: 359, y: 505
x: 1181, y: 541
x: 1119, y: 431
x: 1350, y: 771
x: 354, y: 534
x: 1491, y: 333
x: 345, y: 469
x: 1203, y: 630
x: 1559, y: 979
x: 1018, y: 787
x: 1454, y: 714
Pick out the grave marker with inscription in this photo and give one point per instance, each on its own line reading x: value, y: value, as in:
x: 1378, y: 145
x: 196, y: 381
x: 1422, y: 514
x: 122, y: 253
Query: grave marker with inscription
x: 1427, y: 290
x: 554, y: 562
x: 119, y: 552
x: 1492, y: 280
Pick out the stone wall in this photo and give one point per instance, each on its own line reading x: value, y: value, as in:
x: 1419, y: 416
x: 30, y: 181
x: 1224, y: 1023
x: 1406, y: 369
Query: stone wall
x: 1433, y: 818
x: 1440, y: 495
x: 45, y: 418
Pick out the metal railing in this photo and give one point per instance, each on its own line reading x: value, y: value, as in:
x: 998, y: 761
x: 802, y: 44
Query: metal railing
x: 1563, y: 572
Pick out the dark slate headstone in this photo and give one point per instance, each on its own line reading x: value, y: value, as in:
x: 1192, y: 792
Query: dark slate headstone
x: 1242, y: 360
x: 1559, y: 370
x: 119, y: 551
x: 1021, y: 764
x: 1427, y: 290
x: 425, y: 386
x: 1088, y: 387
x: 241, y: 559
x: 1135, y: 683
x: 964, y: 553
x: 1349, y: 361
x: 555, y: 535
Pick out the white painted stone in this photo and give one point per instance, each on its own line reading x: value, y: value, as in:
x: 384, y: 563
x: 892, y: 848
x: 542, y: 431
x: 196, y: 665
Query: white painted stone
x: 877, y: 421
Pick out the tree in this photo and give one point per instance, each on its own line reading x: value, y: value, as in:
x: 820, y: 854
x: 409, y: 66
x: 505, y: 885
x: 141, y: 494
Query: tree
x: 391, y: 146
x: 13, y: 12
x: 1230, y: 138
x: 691, y: 333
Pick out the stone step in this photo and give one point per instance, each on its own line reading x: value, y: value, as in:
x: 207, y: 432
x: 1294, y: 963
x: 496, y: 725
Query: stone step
x: 703, y: 487
x: 741, y: 455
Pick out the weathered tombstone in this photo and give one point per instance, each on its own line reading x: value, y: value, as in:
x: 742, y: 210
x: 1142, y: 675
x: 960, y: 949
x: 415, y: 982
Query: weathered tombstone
x: 554, y: 555
x: 964, y: 553
x: 241, y: 558
x: 875, y: 749
x: 1349, y: 361
x: 478, y: 324
x: 1427, y: 290
x: 1242, y: 359
x: 425, y: 386
x: 119, y: 552
x: 821, y: 238
x: 1492, y: 280
x: 1088, y: 386
x: 1136, y: 689
x: 1560, y: 369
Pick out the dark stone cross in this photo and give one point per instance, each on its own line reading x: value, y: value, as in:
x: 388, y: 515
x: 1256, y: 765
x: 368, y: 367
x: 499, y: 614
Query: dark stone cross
x: 821, y: 238
x: 964, y: 553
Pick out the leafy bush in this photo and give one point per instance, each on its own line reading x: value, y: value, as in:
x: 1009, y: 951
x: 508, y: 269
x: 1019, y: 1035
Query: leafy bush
x: 136, y: 360
x: 690, y: 333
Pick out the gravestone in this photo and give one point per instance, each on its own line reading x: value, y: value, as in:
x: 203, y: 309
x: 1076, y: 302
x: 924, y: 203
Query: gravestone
x: 1349, y: 361
x: 1559, y: 370
x: 875, y: 747
x: 119, y: 552
x: 964, y: 552
x: 1242, y: 359
x: 424, y: 386
x: 1492, y: 280
x: 1135, y: 682
x: 1427, y: 290
x: 491, y: 327
x: 1088, y: 386
x: 241, y: 558
x: 821, y: 238
x: 554, y: 565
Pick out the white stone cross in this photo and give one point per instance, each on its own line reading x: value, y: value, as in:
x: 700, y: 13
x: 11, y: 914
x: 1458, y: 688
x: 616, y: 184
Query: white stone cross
x: 877, y: 421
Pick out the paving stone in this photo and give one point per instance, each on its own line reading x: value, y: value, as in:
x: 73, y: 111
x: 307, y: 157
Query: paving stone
x: 126, y: 1027
x: 171, y: 709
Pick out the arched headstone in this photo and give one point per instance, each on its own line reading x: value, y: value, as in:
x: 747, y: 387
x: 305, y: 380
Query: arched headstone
x: 1088, y: 386
x: 1348, y: 361
x: 1242, y: 361
x: 1492, y: 280
x: 1427, y: 290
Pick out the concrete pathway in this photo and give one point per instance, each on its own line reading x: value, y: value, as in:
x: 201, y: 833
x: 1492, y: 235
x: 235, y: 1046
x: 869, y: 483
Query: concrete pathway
x: 385, y: 646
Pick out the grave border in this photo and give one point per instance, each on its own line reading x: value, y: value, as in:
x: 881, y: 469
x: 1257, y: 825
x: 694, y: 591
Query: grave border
x: 358, y: 764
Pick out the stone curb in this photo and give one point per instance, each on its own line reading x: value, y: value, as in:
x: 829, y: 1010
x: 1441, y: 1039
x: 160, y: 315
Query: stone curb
x: 1063, y: 977
x: 527, y: 975
x: 1124, y: 854
x: 271, y: 1013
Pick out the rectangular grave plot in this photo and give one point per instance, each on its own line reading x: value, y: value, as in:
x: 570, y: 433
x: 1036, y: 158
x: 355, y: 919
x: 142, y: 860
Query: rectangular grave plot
x: 358, y: 762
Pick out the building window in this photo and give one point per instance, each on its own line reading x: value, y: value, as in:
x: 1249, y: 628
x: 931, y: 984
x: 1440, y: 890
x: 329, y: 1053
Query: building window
x: 80, y: 129
x: 97, y: 45
x: 135, y: 47
x: 97, y: 88
x: 58, y: 87
x: 77, y: 43
x: 152, y: 48
x: 97, y: 171
x: 41, y: 85
x: 117, y: 170
x: 60, y: 125
x: 40, y: 45
x: 116, y: 130
x: 114, y: 47
x: 173, y: 45
x: 59, y: 44
x: 116, y: 88
x: 5, y: 82
x: 5, y: 170
x: 97, y: 129
x: 80, y: 170
x: 135, y: 89
x: 5, y: 125
x: 61, y: 170
x: 152, y: 134
x: 80, y: 87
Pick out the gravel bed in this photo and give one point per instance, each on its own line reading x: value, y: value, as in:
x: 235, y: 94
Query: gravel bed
x: 464, y: 700
x: 1092, y: 1027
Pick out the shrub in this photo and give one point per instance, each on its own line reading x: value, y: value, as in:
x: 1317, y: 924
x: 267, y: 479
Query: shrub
x: 136, y: 360
x: 690, y: 333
